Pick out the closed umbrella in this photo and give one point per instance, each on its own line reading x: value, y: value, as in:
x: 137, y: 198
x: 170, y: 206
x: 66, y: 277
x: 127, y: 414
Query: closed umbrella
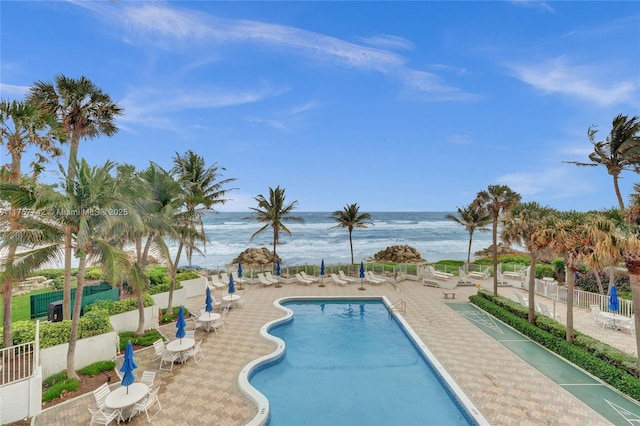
x: 208, y: 301
x: 278, y: 270
x: 361, y: 276
x: 614, y: 303
x: 128, y: 365
x: 240, y: 275
x: 181, y: 324
x: 322, y: 272
x: 232, y: 285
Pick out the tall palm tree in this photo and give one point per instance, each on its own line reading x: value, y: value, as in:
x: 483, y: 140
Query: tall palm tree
x: 497, y: 200
x: 21, y: 124
x: 203, y: 189
x: 473, y: 217
x: 520, y: 226
x: 350, y: 217
x: 90, y: 203
x: 85, y: 111
x: 618, y: 152
x: 572, y: 235
x: 273, y: 212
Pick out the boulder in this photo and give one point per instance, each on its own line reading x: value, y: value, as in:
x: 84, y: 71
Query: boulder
x: 399, y: 254
x: 254, y: 256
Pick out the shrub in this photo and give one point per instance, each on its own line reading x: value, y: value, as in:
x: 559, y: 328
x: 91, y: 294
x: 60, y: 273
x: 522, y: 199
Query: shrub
x: 51, y: 274
x: 146, y: 339
x: 67, y: 385
x: 98, y: 367
x: 184, y: 275
x: 93, y: 273
x: 609, y: 364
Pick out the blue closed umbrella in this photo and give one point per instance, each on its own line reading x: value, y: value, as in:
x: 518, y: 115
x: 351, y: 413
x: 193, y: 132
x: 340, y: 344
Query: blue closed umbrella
x: 614, y: 303
x: 208, y: 301
x: 278, y: 268
x: 361, y: 276
x: 232, y: 285
x: 322, y: 267
x: 239, y: 270
x: 181, y: 324
x: 128, y: 365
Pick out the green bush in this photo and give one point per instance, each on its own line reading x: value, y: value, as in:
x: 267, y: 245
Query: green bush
x: 609, y: 364
x: 184, y: 275
x: 161, y: 288
x: 146, y: 339
x: 67, y: 385
x: 157, y: 275
x: 171, y: 316
x: 588, y: 282
x: 514, y: 259
x: 130, y: 304
x: 56, y: 378
x: 93, y: 273
x: 51, y: 274
x: 98, y: 367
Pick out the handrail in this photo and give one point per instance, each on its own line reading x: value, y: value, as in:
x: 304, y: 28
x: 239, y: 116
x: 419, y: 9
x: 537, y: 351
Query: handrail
x: 399, y: 305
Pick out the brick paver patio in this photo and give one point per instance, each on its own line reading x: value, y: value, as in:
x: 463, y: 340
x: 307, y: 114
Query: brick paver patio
x: 505, y: 389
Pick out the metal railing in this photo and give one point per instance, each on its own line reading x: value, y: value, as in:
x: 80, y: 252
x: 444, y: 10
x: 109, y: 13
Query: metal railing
x: 17, y: 362
x: 400, y: 306
x: 581, y: 298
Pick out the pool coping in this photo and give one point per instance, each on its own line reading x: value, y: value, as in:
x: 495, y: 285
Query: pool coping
x: 261, y: 401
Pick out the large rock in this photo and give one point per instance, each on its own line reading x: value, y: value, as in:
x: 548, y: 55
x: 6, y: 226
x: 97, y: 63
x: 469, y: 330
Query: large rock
x: 399, y: 254
x: 254, y: 256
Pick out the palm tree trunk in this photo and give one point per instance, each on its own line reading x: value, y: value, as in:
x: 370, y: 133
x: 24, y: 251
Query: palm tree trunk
x: 532, y: 290
x: 596, y: 273
x: 570, y: 286
x: 66, y: 289
x: 633, y: 266
x: 173, y: 278
x: 140, y: 330
x: 351, y: 245
x: 7, y: 338
x: 495, y: 256
x: 75, y: 321
x: 617, y: 188
x: 469, y: 251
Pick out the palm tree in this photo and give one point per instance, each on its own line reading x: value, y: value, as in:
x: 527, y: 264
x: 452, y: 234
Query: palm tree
x: 85, y: 111
x: 618, y: 152
x: 572, y: 235
x: 497, y: 200
x: 90, y: 200
x: 520, y: 226
x: 21, y: 124
x: 474, y: 218
x: 202, y: 190
x: 273, y: 212
x: 350, y: 217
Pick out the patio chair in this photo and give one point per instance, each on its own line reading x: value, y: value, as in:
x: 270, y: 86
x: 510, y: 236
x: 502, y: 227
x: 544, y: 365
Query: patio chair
x: 545, y: 311
x: 224, y: 278
x: 158, y: 346
x: 191, y: 334
x: 598, y: 317
x: 304, y: 275
x: 168, y: 357
x: 220, y: 322
x: 196, y: 323
x: 303, y: 280
x: 215, y: 281
x: 263, y: 280
x: 438, y: 275
x: 196, y: 352
x: 337, y: 280
x: 629, y: 324
x: 371, y: 278
x: 146, y: 404
x: 100, y: 394
x: 240, y: 302
x: 148, y: 377
x: 343, y: 277
x: 524, y: 301
x: 271, y: 278
x: 104, y: 416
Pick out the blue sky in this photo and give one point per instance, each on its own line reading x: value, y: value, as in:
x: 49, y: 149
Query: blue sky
x: 398, y: 106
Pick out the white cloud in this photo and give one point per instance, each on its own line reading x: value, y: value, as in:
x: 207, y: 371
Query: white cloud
x: 13, y: 91
x: 387, y: 41
x: 555, y: 182
x: 534, y: 4
x: 580, y: 81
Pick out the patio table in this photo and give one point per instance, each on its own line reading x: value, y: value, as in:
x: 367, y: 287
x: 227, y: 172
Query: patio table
x: 232, y: 299
x: 180, y: 346
x: 207, y: 319
x: 121, y: 399
x: 615, y: 317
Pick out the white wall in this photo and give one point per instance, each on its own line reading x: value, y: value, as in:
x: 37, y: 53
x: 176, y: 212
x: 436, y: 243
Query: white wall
x: 162, y: 299
x: 21, y: 399
x: 128, y: 321
x: 195, y: 287
x: 88, y: 351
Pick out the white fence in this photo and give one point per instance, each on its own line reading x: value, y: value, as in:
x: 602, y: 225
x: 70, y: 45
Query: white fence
x: 581, y: 298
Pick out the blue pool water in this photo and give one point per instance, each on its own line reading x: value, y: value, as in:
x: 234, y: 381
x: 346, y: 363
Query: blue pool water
x: 351, y: 364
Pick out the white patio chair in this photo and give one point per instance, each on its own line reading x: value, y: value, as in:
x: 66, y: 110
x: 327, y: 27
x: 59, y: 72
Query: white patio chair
x: 100, y: 394
x: 545, y: 311
x: 343, y: 277
x: 196, y: 352
x: 304, y: 275
x: 269, y: 276
x: 263, y: 280
x: 158, y: 346
x: 598, y: 317
x: 191, y: 334
x: 104, y: 416
x: 303, y: 280
x: 148, y: 377
x: 524, y: 301
x: 146, y: 404
x: 196, y: 323
x: 220, y: 322
x: 629, y: 324
x: 337, y: 280
x: 168, y: 357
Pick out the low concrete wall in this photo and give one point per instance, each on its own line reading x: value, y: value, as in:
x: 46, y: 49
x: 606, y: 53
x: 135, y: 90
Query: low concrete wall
x: 195, y: 287
x: 128, y: 321
x: 162, y: 299
x: 21, y: 399
x: 88, y: 351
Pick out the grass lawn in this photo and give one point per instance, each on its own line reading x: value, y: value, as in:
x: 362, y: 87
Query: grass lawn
x: 20, y: 306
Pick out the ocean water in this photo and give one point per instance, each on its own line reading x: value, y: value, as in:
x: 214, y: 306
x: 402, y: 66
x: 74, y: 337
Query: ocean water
x: 434, y: 236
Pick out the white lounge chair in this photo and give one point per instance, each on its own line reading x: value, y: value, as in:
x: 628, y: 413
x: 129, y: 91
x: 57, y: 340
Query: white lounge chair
x: 481, y: 275
x: 269, y: 276
x: 216, y: 282
x: 263, y: 280
x: 371, y: 278
x: 343, y: 277
x: 337, y: 280
x: 303, y: 280
x: 438, y: 275
x: 307, y: 277
x: 545, y: 311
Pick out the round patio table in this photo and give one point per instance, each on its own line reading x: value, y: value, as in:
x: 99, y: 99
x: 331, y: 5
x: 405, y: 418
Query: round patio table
x: 123, y: 399
x: 207, y: 319
x: 232, y: 299
x: 180, y: 346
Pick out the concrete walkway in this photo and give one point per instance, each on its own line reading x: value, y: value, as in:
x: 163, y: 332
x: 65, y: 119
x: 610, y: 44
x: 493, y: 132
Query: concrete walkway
x: 506, y: 389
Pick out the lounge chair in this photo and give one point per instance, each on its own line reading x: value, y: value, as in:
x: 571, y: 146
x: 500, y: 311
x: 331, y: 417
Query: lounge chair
x: 269, y: 276
x: 263, y: 280
x: 303, y: 280
x: 545, y: 311
x: 481, y: 275
x: 438, y: 275
x: 371, y: 278
x: 343, y: 277
x: 307, y: 277
x: 215, y: 281
x: 337, y: 280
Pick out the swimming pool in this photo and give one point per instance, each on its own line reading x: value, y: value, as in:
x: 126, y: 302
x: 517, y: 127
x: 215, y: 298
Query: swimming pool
x: 349, y: 362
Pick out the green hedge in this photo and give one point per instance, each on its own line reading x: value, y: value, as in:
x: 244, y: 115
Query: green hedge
x: 119, y: 306
x: 609, y: 364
